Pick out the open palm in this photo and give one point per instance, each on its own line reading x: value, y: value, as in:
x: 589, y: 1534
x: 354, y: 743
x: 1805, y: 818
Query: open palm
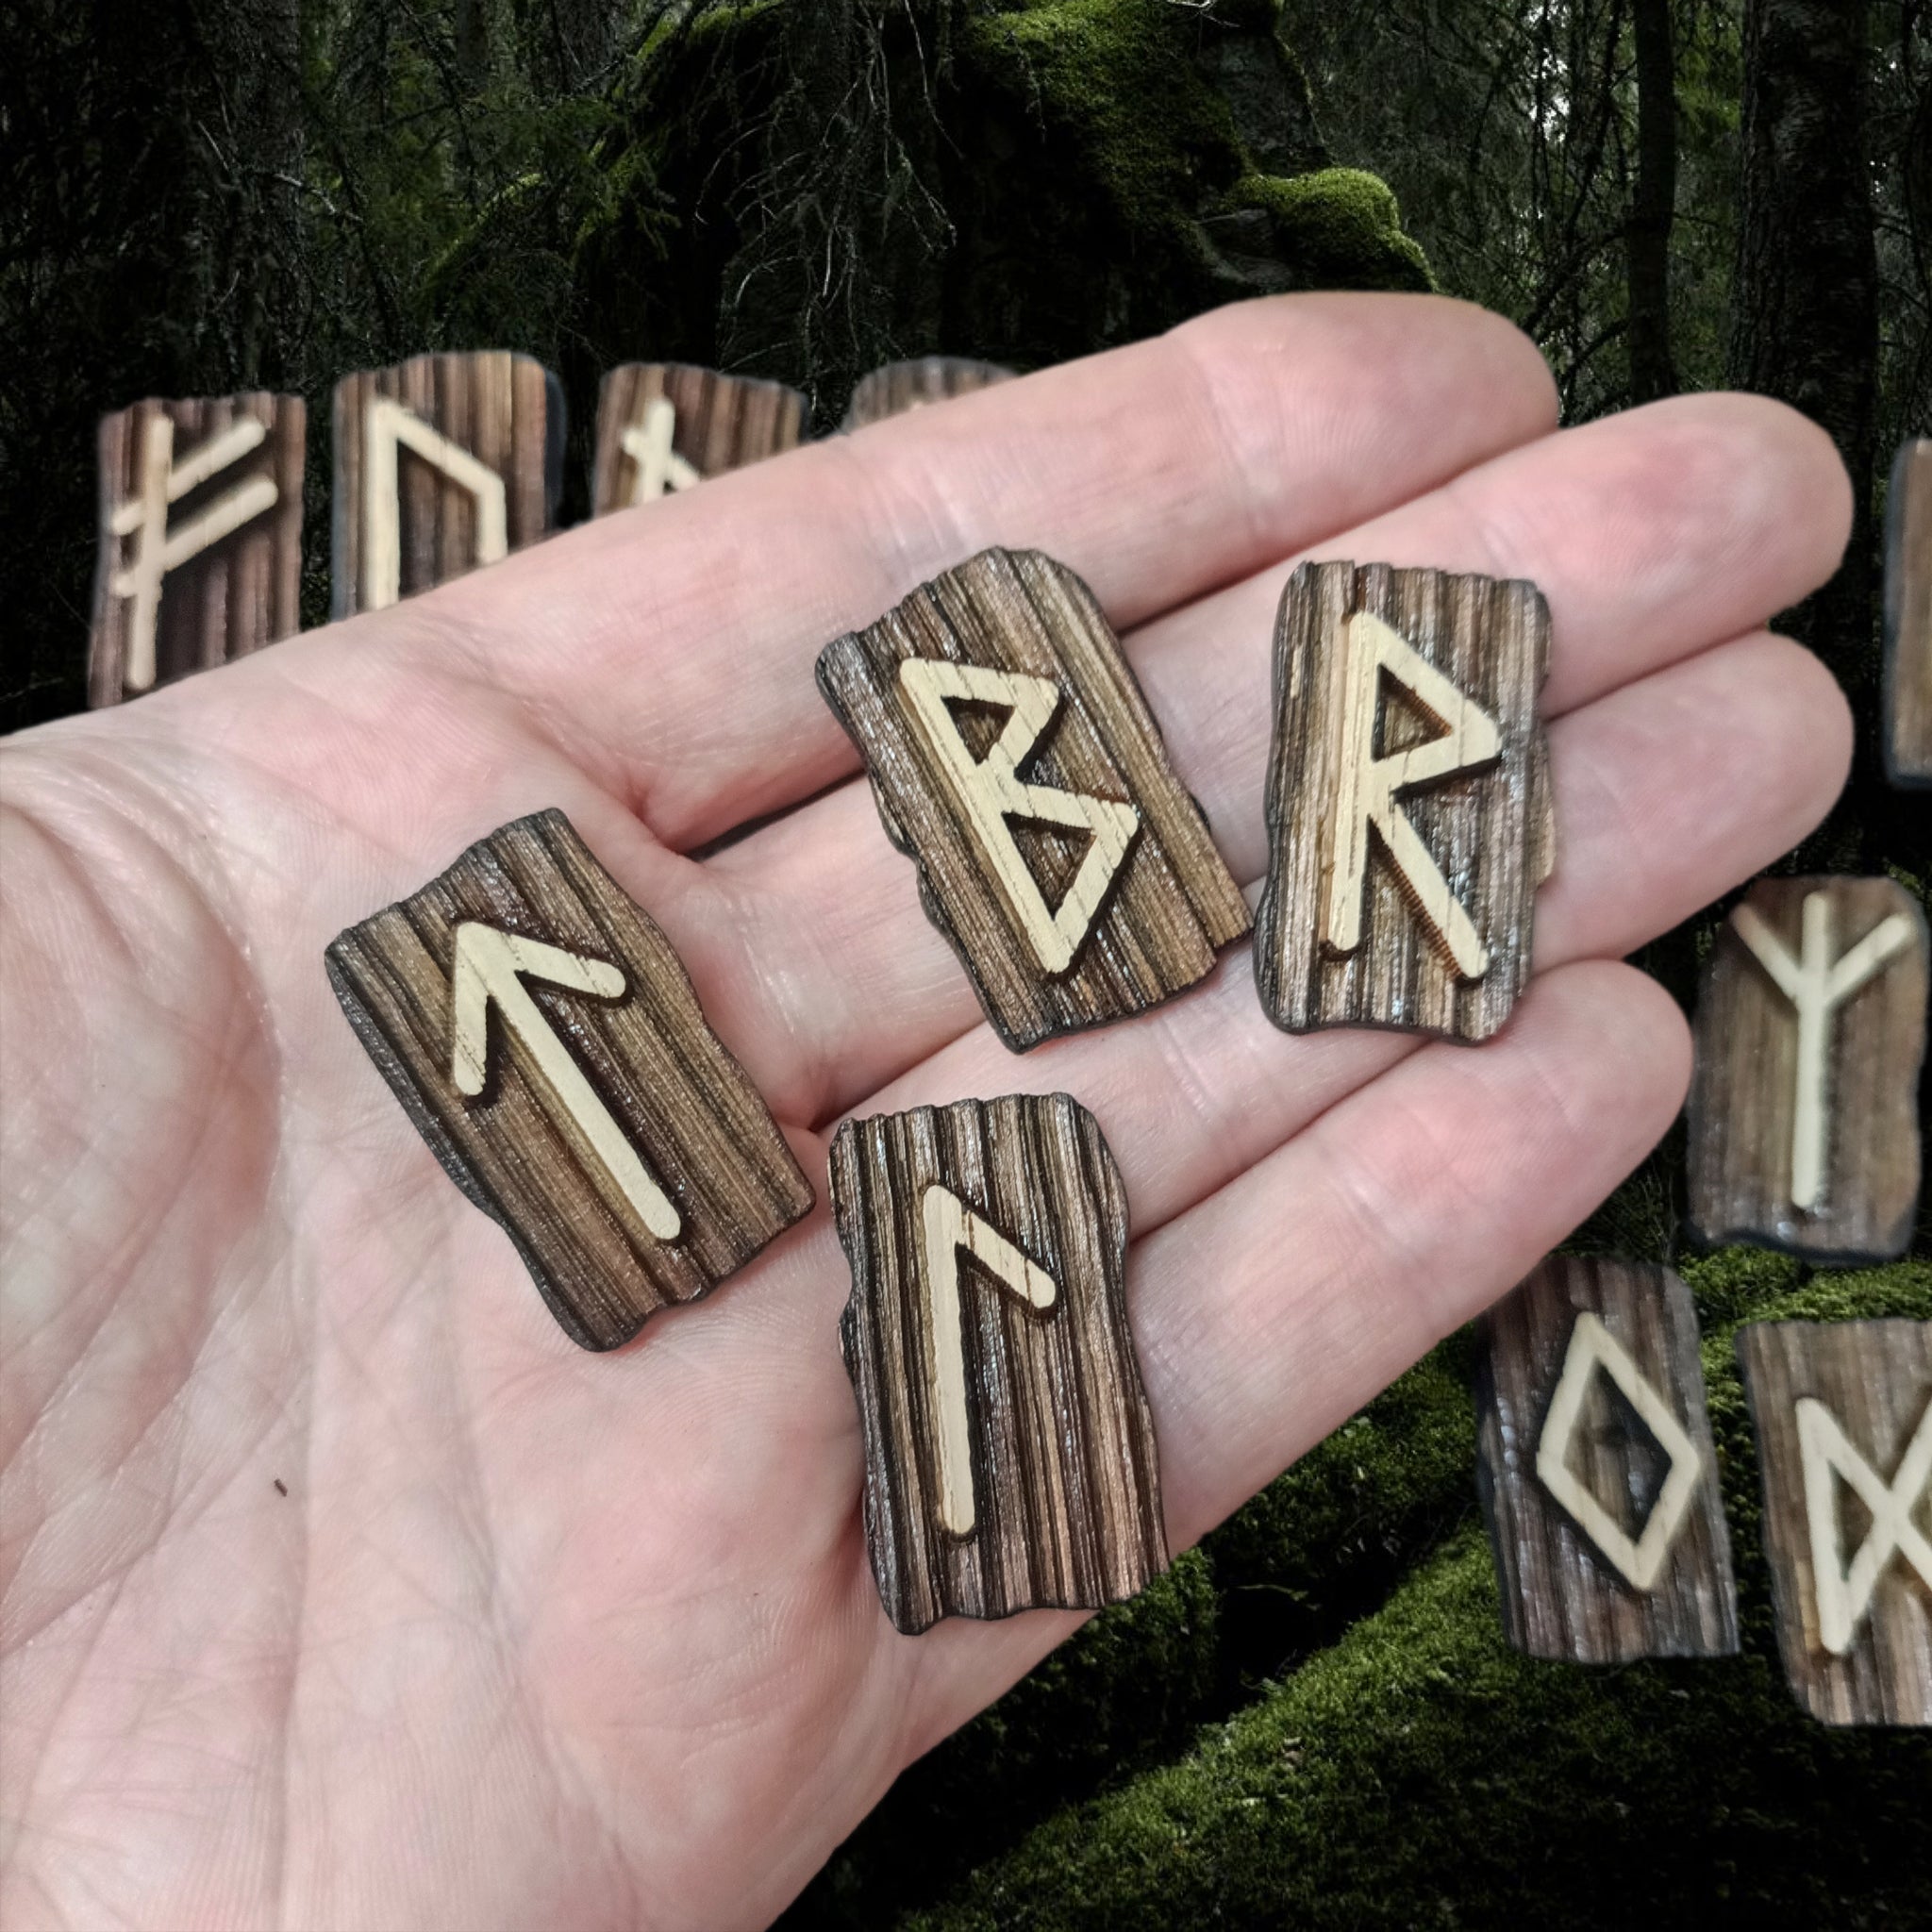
x: 540, y: 1638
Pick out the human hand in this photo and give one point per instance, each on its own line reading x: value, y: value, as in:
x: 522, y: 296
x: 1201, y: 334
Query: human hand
x: 540, y: 1638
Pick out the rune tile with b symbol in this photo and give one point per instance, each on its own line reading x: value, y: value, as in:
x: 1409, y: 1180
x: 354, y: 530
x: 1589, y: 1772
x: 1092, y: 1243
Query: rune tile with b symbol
x: 1013, y: 756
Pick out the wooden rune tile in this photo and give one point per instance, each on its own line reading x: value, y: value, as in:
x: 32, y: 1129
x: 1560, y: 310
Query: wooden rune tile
x: 1013, y: 756
x: 1908, y: 616
x: 1596, y: 1468
x: 442, y: 463
x: 1409, y: 802
x: 665, y: 425
x: 200, y: 553
x: 902, y: 386
x: 1843, y: 1416
x: 596, y: 1116
x: 1010, y: 1460
x: 1804, y: 1128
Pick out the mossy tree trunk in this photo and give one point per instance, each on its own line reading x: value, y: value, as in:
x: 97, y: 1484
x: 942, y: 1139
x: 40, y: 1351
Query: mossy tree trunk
x: 839, y: 218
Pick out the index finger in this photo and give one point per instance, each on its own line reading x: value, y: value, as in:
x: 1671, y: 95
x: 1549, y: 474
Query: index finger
x: 671, y: 648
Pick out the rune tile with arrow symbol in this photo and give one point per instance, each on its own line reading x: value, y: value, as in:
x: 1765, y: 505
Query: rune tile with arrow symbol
x: 546, y: 1039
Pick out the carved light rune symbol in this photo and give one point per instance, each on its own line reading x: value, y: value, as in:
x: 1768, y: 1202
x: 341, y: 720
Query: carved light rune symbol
x: 1369, y: 788
x: 990, y: 791
x: 947, y: 1224
x: 1844, y: 1596
x: 1816, y: 986
x: 1641, y: 1562
x: 157, y: 548
x: 658, y: 467
x: 488, y: 969
x: 388, y: 427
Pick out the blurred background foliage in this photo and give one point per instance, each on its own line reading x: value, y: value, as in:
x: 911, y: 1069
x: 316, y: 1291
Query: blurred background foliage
x: 1312, y: 1719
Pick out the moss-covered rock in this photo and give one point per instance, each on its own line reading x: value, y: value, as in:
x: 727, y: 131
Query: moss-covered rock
x: 1334, y: 228
x: 1419, y: 1773
x: 843, y: 182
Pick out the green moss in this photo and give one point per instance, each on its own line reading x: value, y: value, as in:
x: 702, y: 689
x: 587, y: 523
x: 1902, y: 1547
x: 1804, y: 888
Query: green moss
x: 1129, y: 1682
x: 1123, y: 1691
x: 1339, y: 226
x: 1898, y: 1287
x: 1422, y: 1774
x: 1732, y: 1285
x: 1419, y: 1773
x: 1326, y: 1540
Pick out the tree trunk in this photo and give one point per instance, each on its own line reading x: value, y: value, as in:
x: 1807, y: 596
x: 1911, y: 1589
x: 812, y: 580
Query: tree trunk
x: 257, y: 49
x: 1653, y: 206
x: 473, y: 44
x: 1805, y: 308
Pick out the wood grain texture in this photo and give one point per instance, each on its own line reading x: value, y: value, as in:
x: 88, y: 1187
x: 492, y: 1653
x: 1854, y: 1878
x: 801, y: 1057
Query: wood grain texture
x: 901, y: 386
x: 717, y: 423
x: 502, y: 413
x: 1908, y: 616
x: 568, y: 1073
x: 1760, y: 1072
x: 980, y: 1212
x: 168, y: 482
x: 1455, y: 889
x: 1559, y: 1431
x: 1844, y: 1411
x: 1076, y: 822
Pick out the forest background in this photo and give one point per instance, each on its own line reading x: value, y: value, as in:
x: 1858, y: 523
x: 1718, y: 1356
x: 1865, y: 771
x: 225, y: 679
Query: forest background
x: 1312, y: 1719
